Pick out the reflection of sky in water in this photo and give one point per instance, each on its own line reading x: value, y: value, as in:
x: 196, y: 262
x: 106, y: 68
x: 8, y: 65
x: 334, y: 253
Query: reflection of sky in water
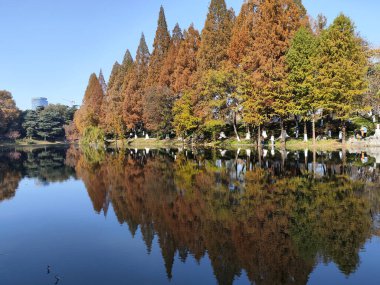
x: 368, y: 272
x: 40, y: 182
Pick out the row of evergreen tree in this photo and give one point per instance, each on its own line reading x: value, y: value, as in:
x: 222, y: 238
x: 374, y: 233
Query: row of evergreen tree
x: 270, y: 63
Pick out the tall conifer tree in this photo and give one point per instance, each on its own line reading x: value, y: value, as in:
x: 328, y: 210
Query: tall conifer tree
x: 157, y: 115
x: 114, y: 75
x: 340, y: 68
x: 133, y: 106
x: 167, y: 71
x: 160, y: 48
x: 276, y: 24
x: 88, y: 114
x: 216, y: 36
x: 102, y: 82
x: 125, y: 67
x: 110, y: 87
x: 113, y: 106
x: 242, y: 33
x: 186, y: 61
x: 298, y: 58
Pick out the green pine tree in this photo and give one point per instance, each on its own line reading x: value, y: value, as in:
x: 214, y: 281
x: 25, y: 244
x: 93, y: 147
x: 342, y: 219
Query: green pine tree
x: 340, y: 68
x: 298, y: 58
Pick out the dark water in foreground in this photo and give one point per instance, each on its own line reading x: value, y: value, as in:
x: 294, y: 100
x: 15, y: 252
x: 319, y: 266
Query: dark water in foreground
x: 188, y: 217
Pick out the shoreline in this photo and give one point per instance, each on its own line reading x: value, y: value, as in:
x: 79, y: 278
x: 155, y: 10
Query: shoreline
x: 36, y: 144
x: 292, y: 144
x: 327, y: 145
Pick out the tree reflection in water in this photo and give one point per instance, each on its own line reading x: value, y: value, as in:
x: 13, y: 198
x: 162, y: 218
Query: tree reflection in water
x: 45, y: 165
x: 273, y: 216
x: 274, y: 220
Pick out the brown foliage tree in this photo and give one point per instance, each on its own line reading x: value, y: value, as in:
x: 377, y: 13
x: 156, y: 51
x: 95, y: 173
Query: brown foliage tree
x: 216, y: 36
x: 275, y: 25
x: 186, y: 61
x: 242, y: 33
x: 9, y: 113
x: 168, y: 67
x: 106, y: 98
x: 88, y: 114
x: 113, y: 104
x: 160, y: 48
x: 135, y: 82
x: 158, y: 104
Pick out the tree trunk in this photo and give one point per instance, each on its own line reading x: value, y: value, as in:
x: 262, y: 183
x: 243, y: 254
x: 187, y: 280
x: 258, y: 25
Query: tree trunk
x: 235, y: 128
x: 283, y: 158
x: 313, y: 123
x: 343, y: 132
x: 248, y: 134
x: 314, y: 162
x: 305, y: 131
x: 283, y: 138
x: 259, y: 137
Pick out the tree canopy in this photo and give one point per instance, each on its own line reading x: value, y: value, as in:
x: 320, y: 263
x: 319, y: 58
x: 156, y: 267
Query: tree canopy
x: 9, y: 113
x: 89, y: 112
x: 269, y: 66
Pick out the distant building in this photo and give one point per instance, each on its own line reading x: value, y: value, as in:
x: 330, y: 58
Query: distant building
x: 39, y: 102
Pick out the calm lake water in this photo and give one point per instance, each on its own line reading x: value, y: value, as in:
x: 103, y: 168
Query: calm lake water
x: 188, y: 217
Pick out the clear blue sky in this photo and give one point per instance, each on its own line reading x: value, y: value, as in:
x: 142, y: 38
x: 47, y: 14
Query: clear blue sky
x: 50, y: 47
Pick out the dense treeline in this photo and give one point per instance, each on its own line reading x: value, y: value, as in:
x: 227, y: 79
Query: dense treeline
x: 49, y: 123
x: 53, y: 122
x: 268, y: 66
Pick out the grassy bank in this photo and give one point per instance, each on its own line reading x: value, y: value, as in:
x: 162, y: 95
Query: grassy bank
x: 141, y: 143
x: 27, y: 142
x: 153, y: 142
x: 323, y: 145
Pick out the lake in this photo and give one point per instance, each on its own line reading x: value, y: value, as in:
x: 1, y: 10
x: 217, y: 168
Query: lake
x: 188, y: 216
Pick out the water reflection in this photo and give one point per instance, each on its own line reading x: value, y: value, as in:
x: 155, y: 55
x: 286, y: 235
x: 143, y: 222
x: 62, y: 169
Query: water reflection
x: 273, y: 215
x: 45, y: 165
